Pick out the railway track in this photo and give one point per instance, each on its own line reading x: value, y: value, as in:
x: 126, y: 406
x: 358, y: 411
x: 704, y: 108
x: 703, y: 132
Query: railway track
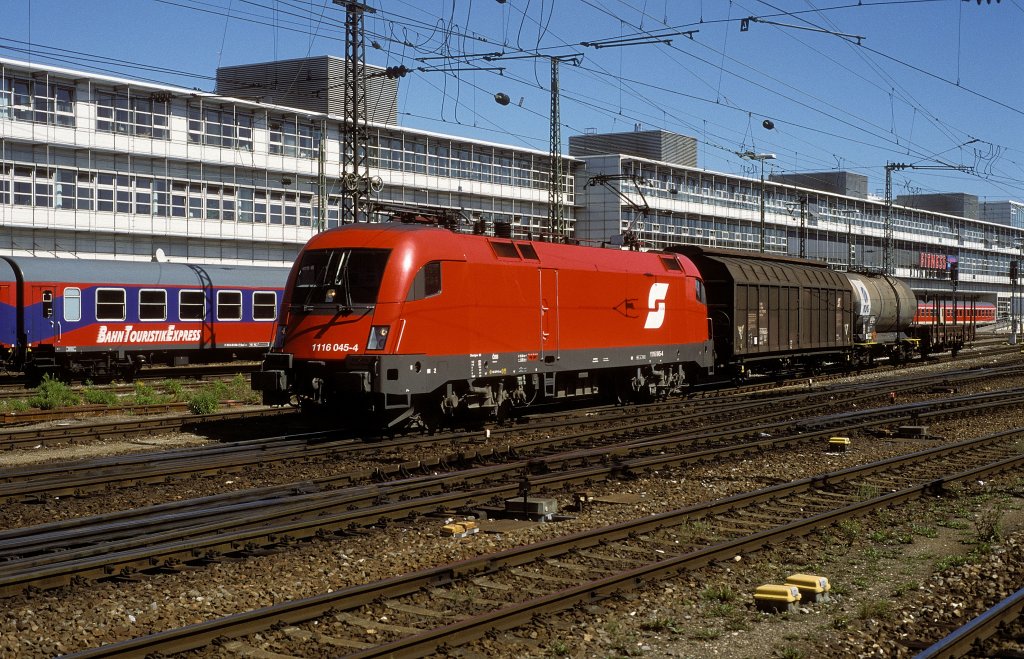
x: 198, y: 371
x: 970, y: 638
x: 64, y: 434
x: 450, y: 605
x: 195, y: 531
x: 607, y: 427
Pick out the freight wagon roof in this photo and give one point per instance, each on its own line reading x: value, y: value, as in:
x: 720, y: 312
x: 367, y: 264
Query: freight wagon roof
x: 755, y: 268
x: 134, y: 273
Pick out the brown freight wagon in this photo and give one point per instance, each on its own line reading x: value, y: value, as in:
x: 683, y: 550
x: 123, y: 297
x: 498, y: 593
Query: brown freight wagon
x: 774, y: 313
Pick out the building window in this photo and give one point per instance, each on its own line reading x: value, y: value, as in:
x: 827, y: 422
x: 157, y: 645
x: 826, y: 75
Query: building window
x: 123, y: 193
x: 65, y: 194
x: 191, y: 305
x: 143, y: 195
x: 229, y: 305
x: 179, y: 190
x: 161, y: 198
x: 23, y: 177
x: 37, y: 101
x: 152, y: 304
x: 224, y: 128
x: 290, y: 137
x: 110, y: 304
x: 105, y: 192
x: 5, y: 185
x: 133, y: 115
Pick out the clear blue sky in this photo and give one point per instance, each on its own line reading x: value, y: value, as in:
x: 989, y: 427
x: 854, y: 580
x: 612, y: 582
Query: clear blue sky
x: 932, y: 82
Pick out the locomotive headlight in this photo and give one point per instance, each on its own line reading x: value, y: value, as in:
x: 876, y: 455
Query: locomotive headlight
x: 378, y: 337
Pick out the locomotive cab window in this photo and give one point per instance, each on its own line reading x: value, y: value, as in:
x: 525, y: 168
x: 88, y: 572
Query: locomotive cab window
x: 72, y: 304
x: 264, y: 305
x: 191, y: 305
x: 152, y: 304
x: 699, y: 290
x: 229, y: 305
x: 426, y: 283
x: 110, y: 304
x: 345, y: 277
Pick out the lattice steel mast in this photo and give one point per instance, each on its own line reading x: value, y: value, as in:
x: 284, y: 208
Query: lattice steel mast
x: 355, y: 174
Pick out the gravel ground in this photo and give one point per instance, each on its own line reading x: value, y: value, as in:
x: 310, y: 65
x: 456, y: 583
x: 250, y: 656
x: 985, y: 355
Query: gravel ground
x: 892, y: 573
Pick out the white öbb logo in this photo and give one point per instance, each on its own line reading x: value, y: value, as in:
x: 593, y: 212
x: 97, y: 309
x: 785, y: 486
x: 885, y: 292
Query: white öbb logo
x: 656, y: 305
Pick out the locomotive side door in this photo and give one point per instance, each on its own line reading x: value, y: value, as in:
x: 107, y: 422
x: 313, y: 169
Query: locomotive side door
x: 548, y: 315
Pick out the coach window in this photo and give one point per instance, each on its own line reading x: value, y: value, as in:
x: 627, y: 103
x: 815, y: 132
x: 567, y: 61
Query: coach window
x: 264, y: 305
x: 426, y: 283
x: 229, y: 305
x: 191, y: 305
x: 152, y: 304
x: 47, y: 304
x: 110, y: 304
x: 72, y: 304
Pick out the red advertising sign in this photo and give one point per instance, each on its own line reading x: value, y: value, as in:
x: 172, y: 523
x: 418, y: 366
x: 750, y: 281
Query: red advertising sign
x: 931, y: 261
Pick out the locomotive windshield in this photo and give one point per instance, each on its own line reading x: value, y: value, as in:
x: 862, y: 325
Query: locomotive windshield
x: 347, y: 277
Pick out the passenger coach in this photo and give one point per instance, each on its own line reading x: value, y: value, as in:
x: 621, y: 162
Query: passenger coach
x: 102, y: 319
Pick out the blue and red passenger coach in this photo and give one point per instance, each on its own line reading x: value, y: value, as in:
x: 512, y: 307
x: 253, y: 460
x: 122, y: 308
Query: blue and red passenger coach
x: 105, y: 319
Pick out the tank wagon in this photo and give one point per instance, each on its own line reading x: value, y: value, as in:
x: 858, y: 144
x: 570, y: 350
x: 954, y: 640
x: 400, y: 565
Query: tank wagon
x: 405, y: 320
x: 883, y: 312
x: 104, y: 319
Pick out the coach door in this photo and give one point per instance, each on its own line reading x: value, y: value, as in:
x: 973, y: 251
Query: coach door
x: 42, y: 323
x: 548, y: 315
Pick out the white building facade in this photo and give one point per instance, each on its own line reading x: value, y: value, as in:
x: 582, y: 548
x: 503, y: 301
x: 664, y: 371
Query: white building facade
x: 99, y: 167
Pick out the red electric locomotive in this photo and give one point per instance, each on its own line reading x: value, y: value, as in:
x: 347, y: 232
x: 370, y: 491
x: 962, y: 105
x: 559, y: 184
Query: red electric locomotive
x: 406, y: 320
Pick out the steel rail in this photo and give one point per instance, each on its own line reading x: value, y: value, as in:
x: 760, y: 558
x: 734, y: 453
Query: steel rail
x: 196, y: 540
x: 968, y: 638
x: 19, y: 438
x: 199, y: 635
x: 44, y: 572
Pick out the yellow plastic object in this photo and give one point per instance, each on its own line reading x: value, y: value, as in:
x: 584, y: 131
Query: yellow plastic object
x: 812, y: 587
x: 781, y: 593
x: 809, y: 583
x: 460, y: 529
x: 838, y: 443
